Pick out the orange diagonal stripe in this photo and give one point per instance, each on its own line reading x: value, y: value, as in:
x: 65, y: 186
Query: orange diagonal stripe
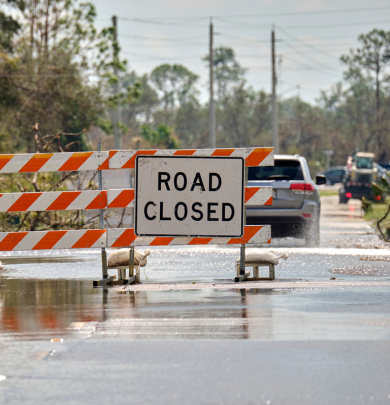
x: 161, y: 241
x: 257, y: 156
x: 200, y: 241
x: 249, y: 232
x: 36, y: 162
x: 49, y: 240
x: 130, y: 164
x: 126, y: 239
x: 75, y: 161
x: 24, y: 202
x: 104, y: 165
x: 250, y: 192
x: 269, y: 201
x: 11, y: 240
x: 4, y: 159
x: 63, y: 201
x: 99, y: 202
x: 88, y: 239
x: 183, y: 152
x: 124, y: 198
x: 222, y: 152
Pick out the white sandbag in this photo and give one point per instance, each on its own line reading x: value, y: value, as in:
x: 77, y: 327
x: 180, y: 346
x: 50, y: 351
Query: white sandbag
x: 253, y: 256
x: 121, y: 257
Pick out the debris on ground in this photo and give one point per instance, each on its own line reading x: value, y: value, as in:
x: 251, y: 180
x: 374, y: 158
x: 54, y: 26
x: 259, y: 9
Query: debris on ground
x: 363, y: 271
x: 372, y: 242
x: 376, y: 258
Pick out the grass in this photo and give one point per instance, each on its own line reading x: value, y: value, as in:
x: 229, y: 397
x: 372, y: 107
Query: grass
x: 328, y: 193
x: 378, y: 211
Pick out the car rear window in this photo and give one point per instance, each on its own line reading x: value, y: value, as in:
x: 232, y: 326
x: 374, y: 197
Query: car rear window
x: 283, y: 170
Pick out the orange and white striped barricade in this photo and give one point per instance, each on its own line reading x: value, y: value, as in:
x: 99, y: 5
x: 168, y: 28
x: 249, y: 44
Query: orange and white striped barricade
x: 164, y: 182
x: 226, y: 194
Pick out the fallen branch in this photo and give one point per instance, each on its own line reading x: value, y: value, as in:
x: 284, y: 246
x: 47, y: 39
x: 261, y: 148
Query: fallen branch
x: 382, y: 219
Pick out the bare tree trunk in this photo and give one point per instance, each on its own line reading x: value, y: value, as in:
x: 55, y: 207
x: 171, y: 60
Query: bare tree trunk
x: 32, y: 11
x: 47, y: 29
x: 378, y: 131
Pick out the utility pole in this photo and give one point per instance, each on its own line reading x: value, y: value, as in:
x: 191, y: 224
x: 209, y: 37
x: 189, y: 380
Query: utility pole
x: 275, y: 135
x: 213, y: 140
x: 117, y: 113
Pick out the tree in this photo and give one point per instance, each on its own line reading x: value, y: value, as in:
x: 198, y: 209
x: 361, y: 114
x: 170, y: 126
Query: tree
x: 47, y: 78
x: 140, y: 112
x: 175, y: 85
x: 373, y: 56
x: 227, y: 71
x: 161, y: 137
x: 8, y: 28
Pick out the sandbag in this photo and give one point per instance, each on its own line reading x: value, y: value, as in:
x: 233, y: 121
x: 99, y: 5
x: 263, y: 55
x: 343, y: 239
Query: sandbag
x: 121, y: 257
x: 253, y: 256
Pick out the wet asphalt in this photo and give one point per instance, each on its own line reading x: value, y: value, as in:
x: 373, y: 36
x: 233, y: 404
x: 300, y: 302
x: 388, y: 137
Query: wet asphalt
x: 319, y: 334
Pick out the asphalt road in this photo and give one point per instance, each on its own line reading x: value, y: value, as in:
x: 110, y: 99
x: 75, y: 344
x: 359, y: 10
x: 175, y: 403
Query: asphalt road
x: 319, y: 334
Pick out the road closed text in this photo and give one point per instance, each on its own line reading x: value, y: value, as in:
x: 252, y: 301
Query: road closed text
x: 181, y: 196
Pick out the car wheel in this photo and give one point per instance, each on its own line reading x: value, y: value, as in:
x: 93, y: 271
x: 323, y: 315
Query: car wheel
x: 343, y: 199
x: 312, y: 233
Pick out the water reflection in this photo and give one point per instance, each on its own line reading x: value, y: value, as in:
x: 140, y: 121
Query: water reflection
x: 30, y: 309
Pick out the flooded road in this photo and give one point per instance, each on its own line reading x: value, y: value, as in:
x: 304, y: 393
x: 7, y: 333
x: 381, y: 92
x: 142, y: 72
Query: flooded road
x: 319, y: 334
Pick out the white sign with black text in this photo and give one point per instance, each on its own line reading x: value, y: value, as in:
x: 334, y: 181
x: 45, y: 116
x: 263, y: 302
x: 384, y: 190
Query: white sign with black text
x: 189, y: 196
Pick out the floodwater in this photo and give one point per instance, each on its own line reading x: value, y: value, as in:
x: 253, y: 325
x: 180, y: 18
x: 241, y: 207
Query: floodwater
x: 52, y: 296
x: 302, y: 339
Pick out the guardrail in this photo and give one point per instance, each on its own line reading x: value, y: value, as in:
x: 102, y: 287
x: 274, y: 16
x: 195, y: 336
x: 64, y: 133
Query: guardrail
x: 114, y: 198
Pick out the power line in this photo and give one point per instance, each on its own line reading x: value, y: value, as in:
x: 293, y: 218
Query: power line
x: 238, y: 24
x: 347, y: 10
x: 151, y: 45
x: 337, y: 25
x: 163, y: 57
x: 304, y: 43
x: 265, y: 41
x: 303, y: 54
x: 163, y: 39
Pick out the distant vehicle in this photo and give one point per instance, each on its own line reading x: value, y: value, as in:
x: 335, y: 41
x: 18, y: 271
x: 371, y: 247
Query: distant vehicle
x: 384, y: 165
x: 334, y: 174
x: 296, y: 201
x: 361, y: 173
x: 382, y: 172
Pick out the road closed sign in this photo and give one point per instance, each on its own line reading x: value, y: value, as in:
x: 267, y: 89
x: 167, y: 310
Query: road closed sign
x: 189, y: 196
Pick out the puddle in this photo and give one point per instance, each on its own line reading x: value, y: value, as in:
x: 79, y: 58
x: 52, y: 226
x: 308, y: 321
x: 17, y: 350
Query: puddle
x: 58, y: 311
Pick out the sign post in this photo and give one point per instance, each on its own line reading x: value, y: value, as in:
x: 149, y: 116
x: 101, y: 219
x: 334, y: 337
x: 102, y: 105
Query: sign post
x: 242, y: 247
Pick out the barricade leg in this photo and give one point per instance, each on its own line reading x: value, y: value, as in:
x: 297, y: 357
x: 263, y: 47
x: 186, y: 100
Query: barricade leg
x: 106, y: 279
x: 271, y: 272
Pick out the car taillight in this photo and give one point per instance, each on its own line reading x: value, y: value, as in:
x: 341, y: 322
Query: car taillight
x: 302, y: 188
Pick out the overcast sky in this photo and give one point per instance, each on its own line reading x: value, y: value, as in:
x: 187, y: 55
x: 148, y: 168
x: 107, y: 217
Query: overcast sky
x: 312, y: 36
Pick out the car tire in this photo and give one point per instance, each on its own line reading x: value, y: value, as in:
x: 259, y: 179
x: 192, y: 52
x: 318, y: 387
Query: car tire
x: 343, y: 199
x: 312, y: 233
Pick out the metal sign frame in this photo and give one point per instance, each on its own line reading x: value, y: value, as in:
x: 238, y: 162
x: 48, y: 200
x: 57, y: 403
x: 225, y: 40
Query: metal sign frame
x: 205, y: 235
